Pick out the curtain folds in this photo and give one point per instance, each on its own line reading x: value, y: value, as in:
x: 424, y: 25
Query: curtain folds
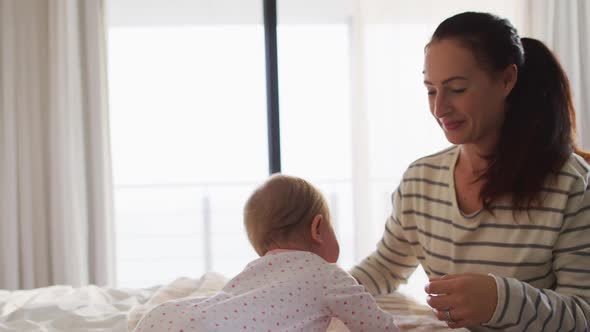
x: 565, y: 27
x: 56, y: 214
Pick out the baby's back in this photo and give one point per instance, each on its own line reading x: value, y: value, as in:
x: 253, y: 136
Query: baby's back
x: 277, y: 292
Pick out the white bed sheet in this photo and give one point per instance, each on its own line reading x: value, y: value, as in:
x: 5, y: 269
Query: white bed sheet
x: 100, y: 309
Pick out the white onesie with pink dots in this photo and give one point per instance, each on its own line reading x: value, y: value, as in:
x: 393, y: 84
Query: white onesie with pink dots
x: 281, y: 291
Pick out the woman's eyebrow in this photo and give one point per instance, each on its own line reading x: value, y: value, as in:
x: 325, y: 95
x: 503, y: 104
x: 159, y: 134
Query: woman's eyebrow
x: 448, y: 80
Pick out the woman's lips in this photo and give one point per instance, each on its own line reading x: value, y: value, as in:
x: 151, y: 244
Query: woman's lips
x: 451, y: 125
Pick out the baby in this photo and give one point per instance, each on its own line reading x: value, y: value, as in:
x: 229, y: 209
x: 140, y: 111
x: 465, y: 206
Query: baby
x: 293, y: 286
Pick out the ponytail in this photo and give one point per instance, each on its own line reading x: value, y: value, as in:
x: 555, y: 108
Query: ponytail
x: 555, y: 87
x: 538, y: 134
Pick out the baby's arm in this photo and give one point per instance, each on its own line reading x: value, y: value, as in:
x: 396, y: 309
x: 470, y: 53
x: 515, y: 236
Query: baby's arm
x: 349, y: 302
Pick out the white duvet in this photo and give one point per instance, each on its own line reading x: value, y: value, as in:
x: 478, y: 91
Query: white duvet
x: 97, y: 309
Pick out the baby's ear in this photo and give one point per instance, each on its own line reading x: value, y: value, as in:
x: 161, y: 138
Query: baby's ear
x: 316, y: 228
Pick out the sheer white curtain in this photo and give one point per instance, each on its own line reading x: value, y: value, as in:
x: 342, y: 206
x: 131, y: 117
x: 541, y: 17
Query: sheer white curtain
x: 55, y: 179
x: 565, y: 27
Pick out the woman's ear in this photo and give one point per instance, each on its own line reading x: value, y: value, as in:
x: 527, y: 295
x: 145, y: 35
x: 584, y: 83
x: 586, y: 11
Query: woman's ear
x: 509, y: 77
x: 316, y: 229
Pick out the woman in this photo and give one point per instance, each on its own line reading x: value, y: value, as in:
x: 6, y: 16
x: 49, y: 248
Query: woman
x: 500, y: 221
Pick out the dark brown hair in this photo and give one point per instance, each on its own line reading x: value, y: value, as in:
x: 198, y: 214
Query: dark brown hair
x: 538, y: 133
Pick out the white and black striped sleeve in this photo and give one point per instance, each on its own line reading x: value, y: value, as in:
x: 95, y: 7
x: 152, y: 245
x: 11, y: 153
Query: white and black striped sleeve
x: 393, y: 261
x: 566, y: 305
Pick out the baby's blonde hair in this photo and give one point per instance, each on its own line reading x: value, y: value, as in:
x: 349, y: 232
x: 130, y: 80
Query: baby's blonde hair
x: 282, y: 209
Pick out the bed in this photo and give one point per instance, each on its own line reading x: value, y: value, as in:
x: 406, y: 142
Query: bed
x: 97, y: 309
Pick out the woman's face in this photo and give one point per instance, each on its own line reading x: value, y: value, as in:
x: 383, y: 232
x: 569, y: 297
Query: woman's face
x: 466, y: 101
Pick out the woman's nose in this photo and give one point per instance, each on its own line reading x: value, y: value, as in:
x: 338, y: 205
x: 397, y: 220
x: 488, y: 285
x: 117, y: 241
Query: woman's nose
x: 441, y: 107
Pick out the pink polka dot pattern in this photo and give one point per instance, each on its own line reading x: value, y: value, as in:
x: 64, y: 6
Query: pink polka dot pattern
x: 284, y: 291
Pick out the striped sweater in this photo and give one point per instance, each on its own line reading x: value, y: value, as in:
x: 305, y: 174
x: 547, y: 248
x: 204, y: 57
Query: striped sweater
x: 540, y: 258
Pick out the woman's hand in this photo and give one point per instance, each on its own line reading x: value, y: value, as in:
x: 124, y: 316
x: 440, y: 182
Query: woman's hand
x: 463, y: 300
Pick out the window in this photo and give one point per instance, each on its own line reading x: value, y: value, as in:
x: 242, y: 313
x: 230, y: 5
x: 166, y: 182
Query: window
x: 314, y: 95
x: 188, y: 115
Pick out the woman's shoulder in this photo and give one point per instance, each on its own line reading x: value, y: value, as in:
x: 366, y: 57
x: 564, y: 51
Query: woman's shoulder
x: 439, y: 161
x: 431, y: 170
x: 441, y: 158
x: 576, y: 168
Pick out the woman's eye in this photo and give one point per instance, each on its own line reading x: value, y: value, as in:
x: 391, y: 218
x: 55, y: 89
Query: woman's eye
x: 459, y: 90
x: 431, y: 92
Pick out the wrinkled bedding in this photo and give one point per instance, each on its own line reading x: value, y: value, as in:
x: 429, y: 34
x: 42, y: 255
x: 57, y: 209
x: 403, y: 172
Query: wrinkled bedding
x: 98, y: 309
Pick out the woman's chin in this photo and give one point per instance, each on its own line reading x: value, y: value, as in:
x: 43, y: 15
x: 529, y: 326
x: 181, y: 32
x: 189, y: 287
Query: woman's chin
x: 454, y: 139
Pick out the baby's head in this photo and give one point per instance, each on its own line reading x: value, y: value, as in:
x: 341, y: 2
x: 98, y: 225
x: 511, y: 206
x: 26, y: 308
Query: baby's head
x: 287, y: 212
